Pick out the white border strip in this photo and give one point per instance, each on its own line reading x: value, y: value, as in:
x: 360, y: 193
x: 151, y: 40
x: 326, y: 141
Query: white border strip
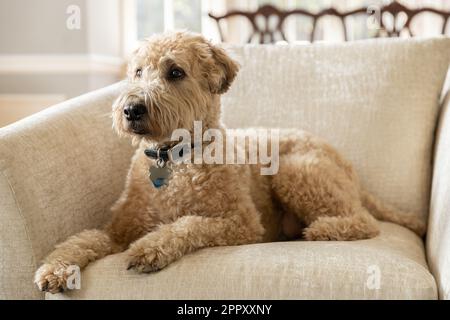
x: 61, y: 64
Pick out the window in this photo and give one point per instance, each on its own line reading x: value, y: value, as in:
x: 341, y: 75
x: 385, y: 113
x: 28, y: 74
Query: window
x: 155, y: 16
x: 146, y: 17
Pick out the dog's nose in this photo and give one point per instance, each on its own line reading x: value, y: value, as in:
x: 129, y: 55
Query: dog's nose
x: 134, y: 111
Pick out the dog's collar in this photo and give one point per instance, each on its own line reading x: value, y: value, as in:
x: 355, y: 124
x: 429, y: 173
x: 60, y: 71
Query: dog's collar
x: 170, y: 152
x: 157, y: 153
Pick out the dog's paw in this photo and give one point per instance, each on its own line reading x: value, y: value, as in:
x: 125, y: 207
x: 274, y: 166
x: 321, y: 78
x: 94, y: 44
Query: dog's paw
x: 147, y: 259
x: 51, y: 278
x: 328, y: 229
x: 311, y: 234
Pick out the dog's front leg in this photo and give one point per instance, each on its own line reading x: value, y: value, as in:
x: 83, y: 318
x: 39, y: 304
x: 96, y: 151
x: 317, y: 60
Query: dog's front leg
x: 170, y: 242
x: 78, y: 250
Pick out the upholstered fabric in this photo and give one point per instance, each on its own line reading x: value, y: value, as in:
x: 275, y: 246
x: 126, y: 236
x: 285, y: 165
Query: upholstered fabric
x: 284, y: 270
x: 60, y: 171
x: 376, y: 101
x: 17, y: 259
x: 438, y: 239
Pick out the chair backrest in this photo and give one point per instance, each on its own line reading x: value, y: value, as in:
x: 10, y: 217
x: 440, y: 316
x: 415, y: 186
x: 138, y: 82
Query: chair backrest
x: 376, y: 101
x: 268, y: 22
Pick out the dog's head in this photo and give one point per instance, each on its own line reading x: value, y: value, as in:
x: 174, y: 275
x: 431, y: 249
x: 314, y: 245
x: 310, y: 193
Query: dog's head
x: 174, y: 79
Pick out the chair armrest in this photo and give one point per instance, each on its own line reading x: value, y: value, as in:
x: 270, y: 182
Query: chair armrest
x: 438, y: 235
x: 60, y: 171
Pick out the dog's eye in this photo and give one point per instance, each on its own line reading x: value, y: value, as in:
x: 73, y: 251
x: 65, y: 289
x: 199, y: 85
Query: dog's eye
x: 139, y: 73
x: 176, y: 74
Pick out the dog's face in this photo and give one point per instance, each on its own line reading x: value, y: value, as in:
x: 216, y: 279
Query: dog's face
x: 174, y: 79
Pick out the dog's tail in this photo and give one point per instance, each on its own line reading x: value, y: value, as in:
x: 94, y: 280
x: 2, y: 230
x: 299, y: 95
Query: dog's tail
x: 388, y: 213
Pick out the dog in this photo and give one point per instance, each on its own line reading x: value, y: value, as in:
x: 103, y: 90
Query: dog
x: 176, y: 79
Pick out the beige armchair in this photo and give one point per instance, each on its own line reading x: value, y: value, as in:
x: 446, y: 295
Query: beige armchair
x: 377, y: 101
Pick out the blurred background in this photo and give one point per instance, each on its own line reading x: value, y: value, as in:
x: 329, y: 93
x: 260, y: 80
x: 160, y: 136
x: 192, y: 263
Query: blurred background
x: 53, y: 50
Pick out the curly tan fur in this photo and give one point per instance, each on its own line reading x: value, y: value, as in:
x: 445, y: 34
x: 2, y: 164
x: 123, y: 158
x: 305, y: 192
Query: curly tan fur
x: 315, y: 194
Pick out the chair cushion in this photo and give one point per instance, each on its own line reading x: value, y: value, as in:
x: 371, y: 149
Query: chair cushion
x: 377, y: 101
x: 288, y: 270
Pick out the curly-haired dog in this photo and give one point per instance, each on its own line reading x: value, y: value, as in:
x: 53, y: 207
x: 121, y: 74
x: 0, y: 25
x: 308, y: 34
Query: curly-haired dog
x: 175, y: 79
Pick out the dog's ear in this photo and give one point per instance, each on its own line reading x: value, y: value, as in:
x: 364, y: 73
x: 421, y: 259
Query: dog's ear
x: 223, y: 72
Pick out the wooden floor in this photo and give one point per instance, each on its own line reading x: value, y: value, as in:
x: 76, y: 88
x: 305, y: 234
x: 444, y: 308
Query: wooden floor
x: 14, y: 107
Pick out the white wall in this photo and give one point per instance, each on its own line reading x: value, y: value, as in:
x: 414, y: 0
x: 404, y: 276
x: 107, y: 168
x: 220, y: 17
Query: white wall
x: 39, y: 26
x: 33, y: 32
x: 41, y: 56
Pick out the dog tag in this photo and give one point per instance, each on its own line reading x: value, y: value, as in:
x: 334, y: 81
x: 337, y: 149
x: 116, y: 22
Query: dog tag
x: 159, y: 176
